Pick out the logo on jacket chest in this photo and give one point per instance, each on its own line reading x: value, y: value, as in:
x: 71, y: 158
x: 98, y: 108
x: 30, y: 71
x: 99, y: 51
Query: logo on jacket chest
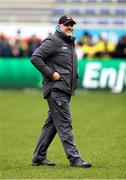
x: 64, y: 47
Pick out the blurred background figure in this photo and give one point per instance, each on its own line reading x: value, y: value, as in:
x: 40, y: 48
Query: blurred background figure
x: 33, y: 43
x: 17, y: 49
x: 120, y: 50
x: 5, y: 48
x: 79, y: 50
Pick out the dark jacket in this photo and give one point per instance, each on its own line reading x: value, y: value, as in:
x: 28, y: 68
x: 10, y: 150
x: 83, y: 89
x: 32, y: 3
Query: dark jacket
x: 57, y: 53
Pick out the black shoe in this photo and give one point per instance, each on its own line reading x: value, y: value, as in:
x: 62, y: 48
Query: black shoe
x: 81, y: 164
x: 43, y: 162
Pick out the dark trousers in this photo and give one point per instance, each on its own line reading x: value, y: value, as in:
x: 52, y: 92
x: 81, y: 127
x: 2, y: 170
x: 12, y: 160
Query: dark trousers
x: 58, y: 121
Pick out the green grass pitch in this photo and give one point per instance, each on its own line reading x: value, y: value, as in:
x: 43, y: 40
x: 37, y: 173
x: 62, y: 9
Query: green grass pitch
x: 99, y: 124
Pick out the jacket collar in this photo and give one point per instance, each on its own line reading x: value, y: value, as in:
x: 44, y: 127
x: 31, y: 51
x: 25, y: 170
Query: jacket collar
x: 64, y: 36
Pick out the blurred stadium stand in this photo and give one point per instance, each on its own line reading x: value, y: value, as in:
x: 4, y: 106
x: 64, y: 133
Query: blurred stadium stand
x: 95, y: 12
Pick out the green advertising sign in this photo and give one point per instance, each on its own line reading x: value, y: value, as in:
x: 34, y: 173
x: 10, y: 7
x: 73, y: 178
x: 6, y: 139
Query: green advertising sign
x: 93, y: 74
x: 102, y: 75
x: 18, y: 73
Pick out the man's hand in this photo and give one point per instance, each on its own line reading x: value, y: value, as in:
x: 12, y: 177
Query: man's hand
x: 55, y: 76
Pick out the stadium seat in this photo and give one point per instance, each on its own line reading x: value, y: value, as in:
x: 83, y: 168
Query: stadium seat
x: 90, y: 11
x: 118, y: 21
x: 75, y: 11
x: 60, y: 1
x: 121, y: 1
x: 105, y: 11
x: 103, y: 21
x: 91, y: 1
x: 120, y: 11
x: 58, y: 11
x: 88, y: 21
x: 76, y: 1
x: 106, y: 1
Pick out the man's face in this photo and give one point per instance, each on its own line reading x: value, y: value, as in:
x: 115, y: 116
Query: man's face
x: 67, y: 28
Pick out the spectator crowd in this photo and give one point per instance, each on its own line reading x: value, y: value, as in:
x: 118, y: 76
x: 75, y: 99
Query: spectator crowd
x: 18, y: 47
x: 101, y: 47
x: 86, y: 47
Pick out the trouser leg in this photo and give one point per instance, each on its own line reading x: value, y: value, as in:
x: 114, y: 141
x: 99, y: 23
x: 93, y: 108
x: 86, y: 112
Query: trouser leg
x: 59, y: 107
x: 47, y: 134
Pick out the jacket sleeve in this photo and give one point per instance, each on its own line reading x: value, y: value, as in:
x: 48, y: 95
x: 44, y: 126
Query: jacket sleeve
x: 41, y: 56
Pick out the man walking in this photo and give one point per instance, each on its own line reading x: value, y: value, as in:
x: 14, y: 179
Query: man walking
x: 56, y: 60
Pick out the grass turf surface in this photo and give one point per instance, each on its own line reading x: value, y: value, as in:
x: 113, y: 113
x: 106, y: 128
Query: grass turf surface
x: 99, y: 124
